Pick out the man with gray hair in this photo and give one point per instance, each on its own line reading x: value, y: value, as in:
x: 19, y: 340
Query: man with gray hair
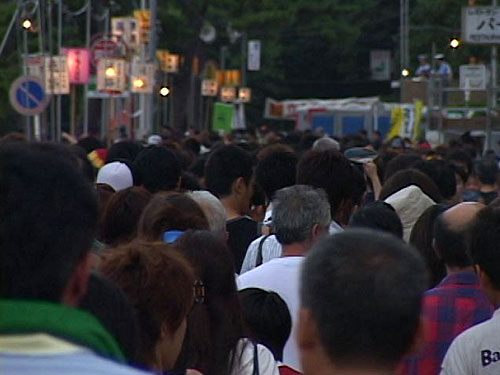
x: 301, y: 215
x: 213, y: 210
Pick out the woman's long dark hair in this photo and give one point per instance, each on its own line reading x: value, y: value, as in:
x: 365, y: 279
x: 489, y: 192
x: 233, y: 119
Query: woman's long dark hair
x: 215, y: 324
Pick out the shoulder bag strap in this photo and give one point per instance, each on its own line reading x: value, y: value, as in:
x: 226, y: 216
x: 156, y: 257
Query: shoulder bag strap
x: 259, y: 259
x: 255, y: 360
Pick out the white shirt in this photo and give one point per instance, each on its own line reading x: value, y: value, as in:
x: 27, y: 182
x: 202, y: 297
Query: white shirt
x: 245, y: 365
x: 271, y: 249
x: 475, y: 351
x: 282, y: 276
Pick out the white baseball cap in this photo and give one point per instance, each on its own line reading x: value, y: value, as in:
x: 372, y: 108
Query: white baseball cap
x: 116, y: 174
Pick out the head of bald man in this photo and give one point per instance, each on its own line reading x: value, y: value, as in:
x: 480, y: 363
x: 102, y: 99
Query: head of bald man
x: 451, y: 231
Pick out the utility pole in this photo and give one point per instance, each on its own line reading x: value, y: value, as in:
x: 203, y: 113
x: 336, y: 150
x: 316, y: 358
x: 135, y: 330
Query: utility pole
x: 404, y: 32
x: 493, y: 104
x: 86, y: 88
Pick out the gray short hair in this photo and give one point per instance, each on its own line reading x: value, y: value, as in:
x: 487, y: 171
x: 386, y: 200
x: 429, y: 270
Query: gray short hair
x: 326, y: 143
x: 213, y: 210
x: 296, y: 209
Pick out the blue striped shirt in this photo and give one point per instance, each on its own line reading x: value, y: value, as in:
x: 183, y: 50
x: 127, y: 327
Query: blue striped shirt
x: 41, y: 354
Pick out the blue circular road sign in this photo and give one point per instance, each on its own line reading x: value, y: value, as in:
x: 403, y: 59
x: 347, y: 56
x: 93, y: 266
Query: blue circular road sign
x: 27, y: 95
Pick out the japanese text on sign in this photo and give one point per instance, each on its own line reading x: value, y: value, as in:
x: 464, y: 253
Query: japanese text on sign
x: 481, y: 25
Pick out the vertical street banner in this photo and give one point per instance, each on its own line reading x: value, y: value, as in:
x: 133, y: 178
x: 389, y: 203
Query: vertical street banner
x: 253, y: 55
x: 380, y: 65
x: 406, y: 120
x: 56, y: 75
x: 223, y: 117
x: 143, y: 17
x: 126, y: 29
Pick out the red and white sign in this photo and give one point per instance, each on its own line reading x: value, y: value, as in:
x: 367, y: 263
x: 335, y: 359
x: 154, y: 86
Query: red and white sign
x: 35, y: 64
x: 103, y: 46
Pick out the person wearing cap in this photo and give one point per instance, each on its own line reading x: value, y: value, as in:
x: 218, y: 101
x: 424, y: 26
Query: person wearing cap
x: 444, y: 72
x: 424, y: 68
x: 443, y: 69
x: 117, y: 175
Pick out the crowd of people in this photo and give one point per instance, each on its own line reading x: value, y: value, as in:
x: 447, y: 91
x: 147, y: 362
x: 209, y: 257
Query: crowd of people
x: 283, y: 254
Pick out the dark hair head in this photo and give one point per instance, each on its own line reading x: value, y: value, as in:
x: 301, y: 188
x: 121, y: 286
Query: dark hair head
x: 484, y: 245
x: 124, y: 150
x: 442, y: 174
x: 224, y: 166
x: 451, y: 243
x: 422, y: 237
x: 215, y: 325
x: 364, y: 291
x: 170, y: 211
x: 121, y: 215
x: 487, y: 171
x: 277, y: 170
x: 48, y: 215
x: 157, y: 169
x: 84, y: 163
x: 106, y: 301
x: 398, y: 163
x: 90, y: 144
x: 462, y: 159
x: 328, y: 170
x: 267, y: 319
x: 380, y: 216
x: 158, y: 282
x: 408, y: 177
x: 192, y: 145
x: 189, y: 182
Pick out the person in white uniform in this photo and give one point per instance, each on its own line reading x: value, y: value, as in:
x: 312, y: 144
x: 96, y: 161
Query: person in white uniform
x: 301, y: 215
x: 476, y: 351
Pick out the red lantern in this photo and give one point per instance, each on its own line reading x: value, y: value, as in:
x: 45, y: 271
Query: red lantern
x: 78, y: 65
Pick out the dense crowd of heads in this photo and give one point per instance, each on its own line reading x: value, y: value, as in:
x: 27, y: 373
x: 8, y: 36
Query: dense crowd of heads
x: 164, y: 229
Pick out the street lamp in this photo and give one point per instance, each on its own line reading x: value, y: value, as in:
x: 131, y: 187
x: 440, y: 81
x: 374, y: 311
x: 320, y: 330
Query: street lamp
x: 455, y: 43
x: 164, y: 91
x: 26, y: 24
x: 405, y: 73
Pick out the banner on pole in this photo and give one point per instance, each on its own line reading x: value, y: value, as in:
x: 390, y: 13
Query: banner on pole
x: 143, y: 17
x: 126, y: 29
x: 254, y: 55
x: 56, y: 75
x: 380, y: 65
x: 223, y: 117
x: 209, y: 87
